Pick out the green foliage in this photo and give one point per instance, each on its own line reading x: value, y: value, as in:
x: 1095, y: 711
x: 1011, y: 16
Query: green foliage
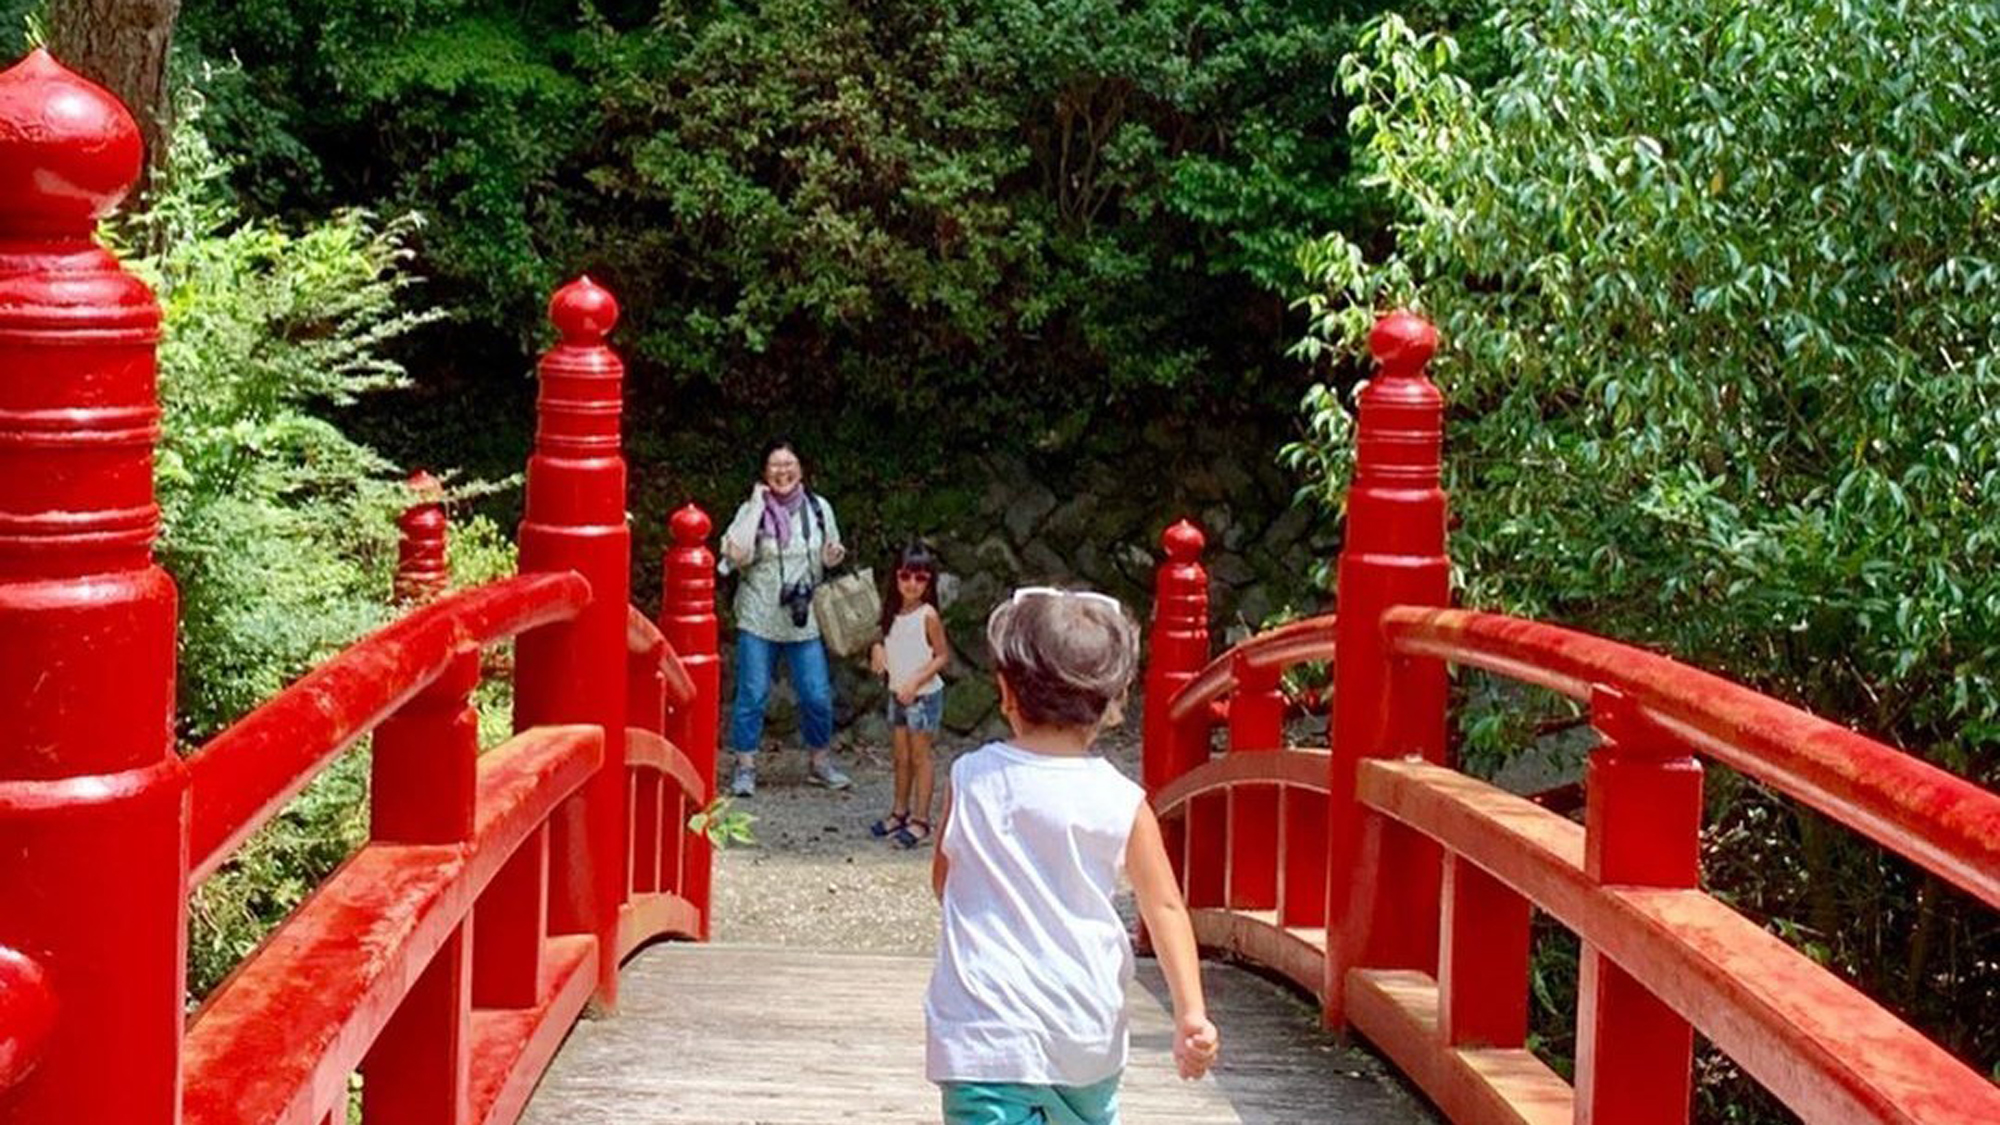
x: 723, y: 823
x: 1720, y: 303
x: 998, y: 213
x: 276, y: 525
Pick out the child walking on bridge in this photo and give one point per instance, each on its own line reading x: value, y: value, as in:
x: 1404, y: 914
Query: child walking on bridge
x: 1026, y: 1011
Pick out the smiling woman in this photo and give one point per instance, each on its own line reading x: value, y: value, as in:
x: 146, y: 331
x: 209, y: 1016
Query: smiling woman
x: 782, y: 540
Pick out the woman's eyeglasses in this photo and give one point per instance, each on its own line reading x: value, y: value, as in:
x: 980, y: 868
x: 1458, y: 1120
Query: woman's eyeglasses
x: 905, y: 574
x: 1105, y: 600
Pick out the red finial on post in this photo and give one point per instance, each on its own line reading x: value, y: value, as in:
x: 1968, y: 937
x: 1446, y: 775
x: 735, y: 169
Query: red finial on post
x: 92, y: 796
x: 575, y: 673
x: 423, y: 570
x: 1176, y: 652
x: 1393, y: 554
x: 72, y: 148
x: 687, y: 620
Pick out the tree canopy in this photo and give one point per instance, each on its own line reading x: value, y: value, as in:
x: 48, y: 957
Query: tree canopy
x: 1719, y: 290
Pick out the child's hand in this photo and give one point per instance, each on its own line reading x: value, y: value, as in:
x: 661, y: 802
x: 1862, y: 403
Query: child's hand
x: 906, y: 694
x: 1196, y: 1043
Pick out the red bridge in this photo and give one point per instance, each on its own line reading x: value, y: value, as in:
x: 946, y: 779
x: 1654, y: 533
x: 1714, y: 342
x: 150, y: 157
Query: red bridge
x: 501, y: 891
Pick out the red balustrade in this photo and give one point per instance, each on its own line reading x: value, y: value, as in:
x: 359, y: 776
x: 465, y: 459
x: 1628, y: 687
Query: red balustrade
x: 1431, y: 877
x: 103, y: 829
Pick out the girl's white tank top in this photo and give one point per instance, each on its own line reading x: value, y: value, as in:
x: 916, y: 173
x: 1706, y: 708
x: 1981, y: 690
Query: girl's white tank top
x: 908, y: 648
x: 1033, y: 960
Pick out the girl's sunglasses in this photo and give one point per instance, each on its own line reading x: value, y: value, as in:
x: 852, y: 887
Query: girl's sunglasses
x: 907, y: 574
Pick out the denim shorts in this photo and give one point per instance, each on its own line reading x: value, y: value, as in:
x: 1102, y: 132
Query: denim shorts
x: 923, y: 716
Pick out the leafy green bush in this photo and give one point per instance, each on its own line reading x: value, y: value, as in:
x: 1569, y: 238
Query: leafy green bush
x: 277, y: 526
x: 1720, y: 302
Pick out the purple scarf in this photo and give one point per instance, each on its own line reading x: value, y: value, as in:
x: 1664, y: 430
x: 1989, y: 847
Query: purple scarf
x: 778, y: 513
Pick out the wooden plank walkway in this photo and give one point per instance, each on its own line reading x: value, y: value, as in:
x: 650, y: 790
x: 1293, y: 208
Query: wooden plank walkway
x: 748, y: 1035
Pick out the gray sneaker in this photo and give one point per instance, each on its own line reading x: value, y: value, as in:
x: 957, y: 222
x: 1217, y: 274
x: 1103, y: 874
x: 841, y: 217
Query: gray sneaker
x: 744, y: 783
x: 824, y: 772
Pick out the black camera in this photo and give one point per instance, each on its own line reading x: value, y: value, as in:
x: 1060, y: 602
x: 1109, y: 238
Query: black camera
x: 797, y: 598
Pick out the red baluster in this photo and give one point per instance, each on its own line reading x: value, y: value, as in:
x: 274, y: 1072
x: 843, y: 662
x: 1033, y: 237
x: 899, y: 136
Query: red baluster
x: 1385, y: 879
x: 1256, y: 725
x: 1642, y: 827
x: 575, y: 673
x: 1483, y: 966
x: 93, y: 884
x: 423, y: 791
x: 422, y: 570
x: 687, y: 618
x: 1176, y: 650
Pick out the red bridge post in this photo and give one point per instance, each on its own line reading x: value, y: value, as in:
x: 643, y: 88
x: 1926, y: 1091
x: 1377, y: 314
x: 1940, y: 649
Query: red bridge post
x: 1176, y: 650
x: 1642, y: 827
x: 687, y: 619
x: 93, y: 804
x: 422, y: 569
x: 575, y: 673
x: 1386, y: 916
x: 423, y: 774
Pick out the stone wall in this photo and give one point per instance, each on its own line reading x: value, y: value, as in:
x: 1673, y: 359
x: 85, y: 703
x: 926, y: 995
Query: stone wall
x: 1095, y: 519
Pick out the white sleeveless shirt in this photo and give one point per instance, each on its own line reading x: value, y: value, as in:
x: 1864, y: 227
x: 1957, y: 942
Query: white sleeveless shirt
x: 1033, y: 961
x: 908, y: 648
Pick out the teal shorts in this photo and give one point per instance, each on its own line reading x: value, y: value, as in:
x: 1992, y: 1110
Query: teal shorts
x: 1019, y: 1103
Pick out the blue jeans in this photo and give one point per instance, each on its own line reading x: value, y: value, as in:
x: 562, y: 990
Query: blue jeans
x: 755, y: 658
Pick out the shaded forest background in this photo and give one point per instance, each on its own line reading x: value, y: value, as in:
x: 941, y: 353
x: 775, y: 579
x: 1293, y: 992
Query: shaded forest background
x: 1719, y: 289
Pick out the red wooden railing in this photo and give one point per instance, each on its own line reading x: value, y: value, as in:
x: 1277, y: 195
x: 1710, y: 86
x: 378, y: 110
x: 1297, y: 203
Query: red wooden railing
x: 498, y: 891
x: 1400, y: 891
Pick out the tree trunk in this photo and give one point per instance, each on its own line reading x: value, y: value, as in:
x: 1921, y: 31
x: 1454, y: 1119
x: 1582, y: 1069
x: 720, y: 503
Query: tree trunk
x: 122, y: 46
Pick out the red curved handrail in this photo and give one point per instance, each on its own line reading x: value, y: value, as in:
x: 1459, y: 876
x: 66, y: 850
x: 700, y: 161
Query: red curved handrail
x: 277, y: 1040
x: 1791, y: 1023
x: 649, y: 750
x: 1295, y: 767
x: 1938, y: 820
x: 244, y: 775
x: 644, y: 641
x: 1289, y: 644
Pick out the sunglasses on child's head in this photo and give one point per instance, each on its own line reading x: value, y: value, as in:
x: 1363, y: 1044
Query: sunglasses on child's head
x: 911, y: 574
x: 1106, y: 600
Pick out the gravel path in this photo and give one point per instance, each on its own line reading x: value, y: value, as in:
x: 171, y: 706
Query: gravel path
x: 816, y: 879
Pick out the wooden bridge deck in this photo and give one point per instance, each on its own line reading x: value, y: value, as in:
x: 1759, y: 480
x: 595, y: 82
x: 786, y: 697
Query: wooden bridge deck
x: 749, y: 1035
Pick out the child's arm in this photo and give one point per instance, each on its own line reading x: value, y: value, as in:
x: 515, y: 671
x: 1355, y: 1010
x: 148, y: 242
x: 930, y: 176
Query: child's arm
x: 1195, y: 1038
x: 878, y: 658
x: 940, y: 866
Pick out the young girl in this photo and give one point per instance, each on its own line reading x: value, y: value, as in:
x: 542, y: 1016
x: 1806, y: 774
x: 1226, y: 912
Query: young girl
x: 912, y: 652
x: 1026, y: 1009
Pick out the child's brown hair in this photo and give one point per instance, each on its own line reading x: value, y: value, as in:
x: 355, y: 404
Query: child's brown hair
x: 1067, y: 655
